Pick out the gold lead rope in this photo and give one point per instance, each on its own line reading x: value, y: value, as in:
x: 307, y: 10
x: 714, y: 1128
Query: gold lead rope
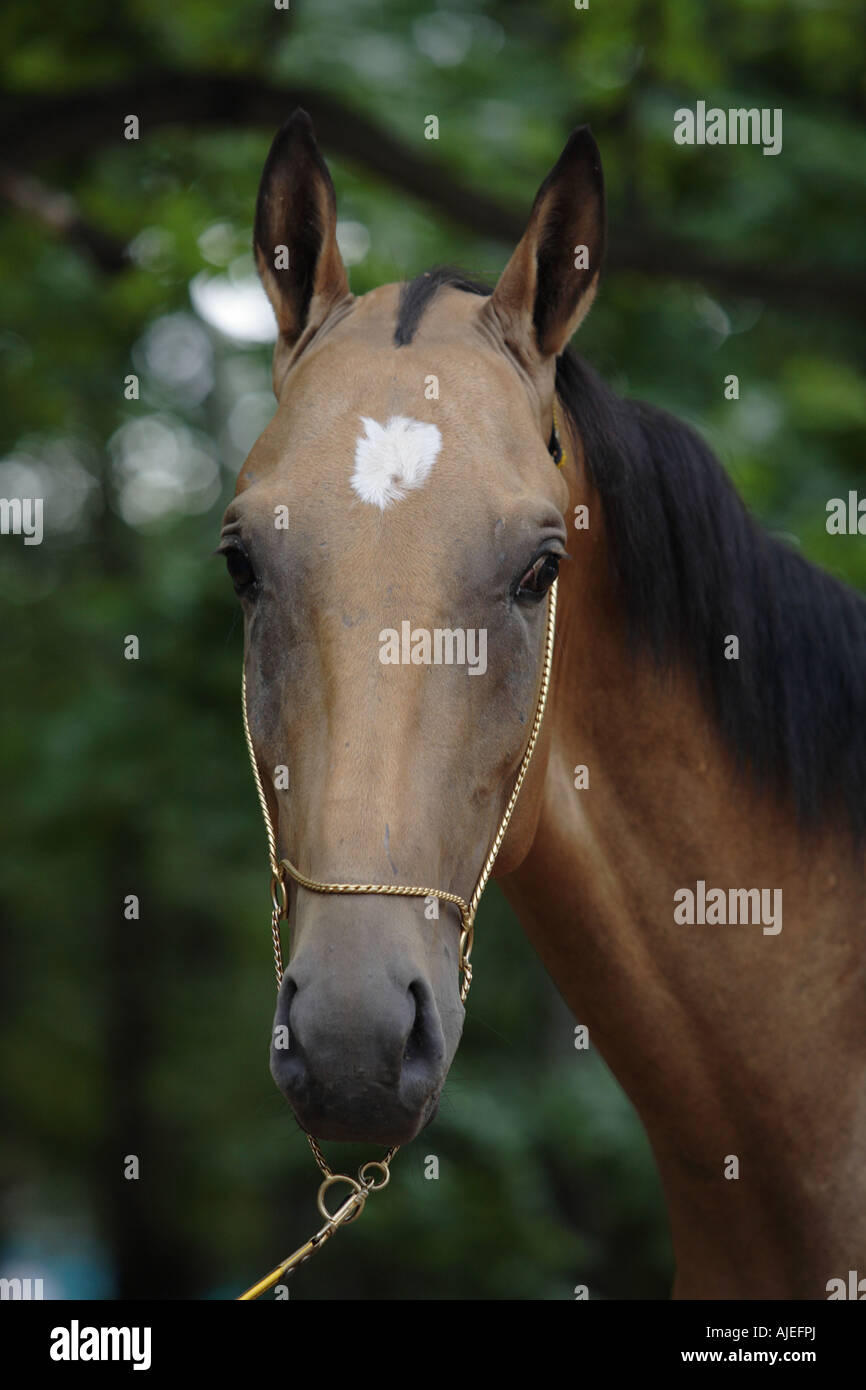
x: 365, y: 1183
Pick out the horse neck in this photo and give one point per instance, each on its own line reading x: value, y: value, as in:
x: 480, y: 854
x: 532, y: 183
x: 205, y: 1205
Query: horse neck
x: 732, y: 1042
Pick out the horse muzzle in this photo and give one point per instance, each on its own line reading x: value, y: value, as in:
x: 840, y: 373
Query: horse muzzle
x: 365, y: 1061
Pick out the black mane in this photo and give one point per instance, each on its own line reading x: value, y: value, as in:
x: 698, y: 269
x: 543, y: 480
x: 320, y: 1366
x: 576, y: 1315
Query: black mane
x: 692, y: 567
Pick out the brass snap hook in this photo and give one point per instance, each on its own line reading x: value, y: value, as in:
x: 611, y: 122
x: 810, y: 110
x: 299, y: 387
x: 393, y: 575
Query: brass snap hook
x: 347, y: 1213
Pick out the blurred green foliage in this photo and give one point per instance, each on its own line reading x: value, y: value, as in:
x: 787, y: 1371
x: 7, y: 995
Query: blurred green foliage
x: 151, y: 1037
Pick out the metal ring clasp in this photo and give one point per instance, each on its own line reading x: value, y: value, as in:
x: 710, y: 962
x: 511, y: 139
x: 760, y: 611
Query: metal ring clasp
x: 345, y: 1214
x: 279, y: 894
x: 370, y: 1184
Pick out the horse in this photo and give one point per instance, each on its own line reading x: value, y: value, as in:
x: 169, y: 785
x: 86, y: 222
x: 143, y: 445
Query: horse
x: 686, y: 853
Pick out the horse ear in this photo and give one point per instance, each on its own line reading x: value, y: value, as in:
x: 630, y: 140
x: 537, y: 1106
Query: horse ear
x: 550, y: 282
x: 296, y: 231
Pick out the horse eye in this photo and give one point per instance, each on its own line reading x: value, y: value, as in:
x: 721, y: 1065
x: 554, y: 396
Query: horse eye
x: 539, y: 577
x: 239, y: 567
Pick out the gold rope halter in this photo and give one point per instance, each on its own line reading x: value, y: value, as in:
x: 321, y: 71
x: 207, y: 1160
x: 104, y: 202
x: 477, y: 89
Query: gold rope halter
x: 361, y: 1188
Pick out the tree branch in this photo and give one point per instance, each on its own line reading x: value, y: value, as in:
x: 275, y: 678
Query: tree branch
x: 59, y: 211
x: 75, y: 123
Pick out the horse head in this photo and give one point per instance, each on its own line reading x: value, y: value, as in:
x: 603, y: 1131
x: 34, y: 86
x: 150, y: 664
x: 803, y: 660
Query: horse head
x: 392, y: 538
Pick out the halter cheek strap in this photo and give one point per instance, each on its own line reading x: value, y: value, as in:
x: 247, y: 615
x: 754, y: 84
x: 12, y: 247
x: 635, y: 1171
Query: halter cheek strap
x: 365, y: 1184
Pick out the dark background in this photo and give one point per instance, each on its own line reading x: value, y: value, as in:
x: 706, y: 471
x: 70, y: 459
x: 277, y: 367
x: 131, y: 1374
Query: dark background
x: 150, y: 1037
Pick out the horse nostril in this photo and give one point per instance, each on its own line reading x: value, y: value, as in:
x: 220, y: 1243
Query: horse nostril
x: 288, y: 990
x: 414, y: 1041
x: 286, y: 1059
x: 424, y: 1049
x: 291, y: 991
